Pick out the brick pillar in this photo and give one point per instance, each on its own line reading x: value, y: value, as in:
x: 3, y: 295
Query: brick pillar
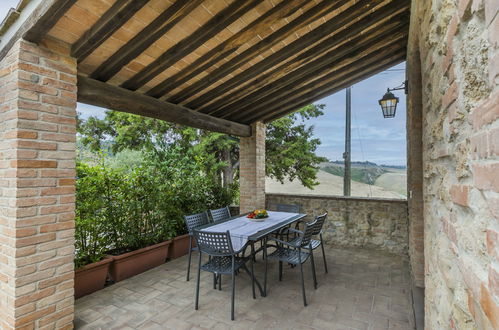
x: 37, y: 187
x: 415, y: 156
x: 252, y: 169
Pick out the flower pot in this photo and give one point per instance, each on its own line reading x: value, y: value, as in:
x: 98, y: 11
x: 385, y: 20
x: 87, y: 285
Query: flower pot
x: 180, y: 246
x: 138, y: 261
x: 91, y: 277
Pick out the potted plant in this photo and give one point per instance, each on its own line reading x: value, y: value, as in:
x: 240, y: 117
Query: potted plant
x: 139, y: 223
x: 90, y: 244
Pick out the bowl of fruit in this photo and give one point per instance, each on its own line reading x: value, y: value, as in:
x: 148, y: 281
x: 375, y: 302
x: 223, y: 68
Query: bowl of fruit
x: 258, y: 215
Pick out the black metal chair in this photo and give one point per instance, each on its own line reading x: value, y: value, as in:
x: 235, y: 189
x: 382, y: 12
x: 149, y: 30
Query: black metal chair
x: 292, y: 208
x: 192, y: 222
x: 315, y: 243
x: 295, y: 253
x: 223, y: 260
x: 220, y: 214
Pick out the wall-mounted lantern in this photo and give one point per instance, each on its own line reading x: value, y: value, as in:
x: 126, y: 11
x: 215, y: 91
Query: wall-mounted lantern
x: 389, y: 101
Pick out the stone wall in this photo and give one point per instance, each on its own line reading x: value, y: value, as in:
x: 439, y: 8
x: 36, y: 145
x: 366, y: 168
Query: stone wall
x: 37, y: 185
x: 457, y: 42
x: 355, y: 222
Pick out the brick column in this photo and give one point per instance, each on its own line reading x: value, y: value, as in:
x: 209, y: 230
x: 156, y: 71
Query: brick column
x: 252, y: 169
x: 37, y: 187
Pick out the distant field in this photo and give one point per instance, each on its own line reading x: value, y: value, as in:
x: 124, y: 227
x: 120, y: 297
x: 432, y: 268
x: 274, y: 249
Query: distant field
x: 331, y: 185
x: 394, y: 182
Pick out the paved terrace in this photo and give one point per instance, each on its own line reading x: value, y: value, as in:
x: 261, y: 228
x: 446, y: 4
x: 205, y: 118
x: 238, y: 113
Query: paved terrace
x: 363, y: 290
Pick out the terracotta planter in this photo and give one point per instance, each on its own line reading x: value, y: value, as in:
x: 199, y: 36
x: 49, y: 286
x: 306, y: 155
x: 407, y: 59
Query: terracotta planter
x: 138, y: 261
x: 180, y: 246
x: 91, y: 278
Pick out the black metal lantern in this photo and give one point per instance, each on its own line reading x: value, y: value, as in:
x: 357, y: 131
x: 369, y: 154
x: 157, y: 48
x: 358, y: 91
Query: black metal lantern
x: 389, y: 101
x: 389, y: 104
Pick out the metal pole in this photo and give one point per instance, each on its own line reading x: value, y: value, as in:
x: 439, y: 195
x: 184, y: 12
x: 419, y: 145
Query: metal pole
x: 346, y: 155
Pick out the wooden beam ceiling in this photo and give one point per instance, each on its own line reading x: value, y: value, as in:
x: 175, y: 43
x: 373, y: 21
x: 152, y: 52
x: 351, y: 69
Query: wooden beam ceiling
x: 104, y: 95
x: 226, y: 64
x: 119, y: 13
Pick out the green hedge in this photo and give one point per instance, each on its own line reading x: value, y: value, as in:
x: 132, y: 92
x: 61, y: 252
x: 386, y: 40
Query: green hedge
x: 121, y: 209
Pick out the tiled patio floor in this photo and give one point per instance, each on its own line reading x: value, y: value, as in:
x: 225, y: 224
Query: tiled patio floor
x: 363, y: 290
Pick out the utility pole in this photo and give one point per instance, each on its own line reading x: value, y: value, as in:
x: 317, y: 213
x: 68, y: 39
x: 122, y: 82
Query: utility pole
x: 348, y: 138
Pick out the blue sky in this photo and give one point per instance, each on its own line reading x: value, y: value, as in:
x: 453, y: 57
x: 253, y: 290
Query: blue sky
x: 374, y: 138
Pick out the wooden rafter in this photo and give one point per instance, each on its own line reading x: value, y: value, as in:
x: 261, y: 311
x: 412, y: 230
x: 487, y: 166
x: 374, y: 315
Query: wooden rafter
x: 119, y: 13
x: 219, y: 22
x: 215, y: 55
x: 100, y: 94
x: 351, y: 53
x: 324, y: 52
x: 145, y: 38
x: 317, y: 89
x: 306, y: 18
x: 355, y: 78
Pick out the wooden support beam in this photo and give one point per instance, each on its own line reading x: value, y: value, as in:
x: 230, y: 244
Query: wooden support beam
x: 325, y: 53
x: 38, y: 23
x: 204, y: 33
x: 119, y: 13
x: 347, y: 77
x: 101, y: 94
x: 337, y: 27
x: 280, y: 12
x: 145, y: 38
x: 351, y: 52
x: 316, y: 12
x: 355, y: 78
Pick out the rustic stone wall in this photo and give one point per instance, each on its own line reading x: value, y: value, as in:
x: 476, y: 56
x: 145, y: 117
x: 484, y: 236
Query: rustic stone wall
x: 355, y: 222
x: 252, y: 169
x: 37, y: 185
x: 459, y: 57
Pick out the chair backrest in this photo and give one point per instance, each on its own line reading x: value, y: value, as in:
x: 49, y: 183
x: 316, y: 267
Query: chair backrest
x: 319, y: 223
x: 213, y: 243
x: 292, y: 208
x: 193, y: 221
x: 308, y: 232
x: 220, y: 214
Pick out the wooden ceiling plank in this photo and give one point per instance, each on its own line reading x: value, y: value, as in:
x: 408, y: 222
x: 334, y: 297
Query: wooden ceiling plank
x: 215, y: 55
x: 145, y: 38
x: 347, y: 18
x: 316, y: 76
x: 44, y: 18
x: 261, y: 86
x: 316, y: 89
x: 316, y: 12
x: 331, y: 90
x: 204, y: 33
x: 119, y: 13
x: 104, y: 95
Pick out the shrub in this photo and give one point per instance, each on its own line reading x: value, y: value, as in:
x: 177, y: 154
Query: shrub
x: 121, y: 209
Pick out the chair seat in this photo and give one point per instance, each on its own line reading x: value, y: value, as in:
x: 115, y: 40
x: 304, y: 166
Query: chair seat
x: 223, y: 265
x: 289, y: 255
x: 314, y: 242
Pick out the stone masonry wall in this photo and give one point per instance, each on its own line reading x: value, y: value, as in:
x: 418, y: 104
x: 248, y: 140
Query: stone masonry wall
x: 355, y: 222
x: 37, y: 185
x: 458, y: 43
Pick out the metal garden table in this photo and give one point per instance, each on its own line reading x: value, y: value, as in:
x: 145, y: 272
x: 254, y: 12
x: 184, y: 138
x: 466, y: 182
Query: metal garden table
x: 245, y: 232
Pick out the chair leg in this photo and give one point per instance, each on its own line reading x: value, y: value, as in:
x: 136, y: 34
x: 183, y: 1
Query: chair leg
x: 280, y: 271
x: 190, y: 254
x: 233, y: 291
x: 303, y: 285
x: 219, y: 282
x: 252, y: 272
x: 197, y: 281
x: 266, y: 267
x: 312, y: 262
x: 214, y: 281
x: 323, y: 254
